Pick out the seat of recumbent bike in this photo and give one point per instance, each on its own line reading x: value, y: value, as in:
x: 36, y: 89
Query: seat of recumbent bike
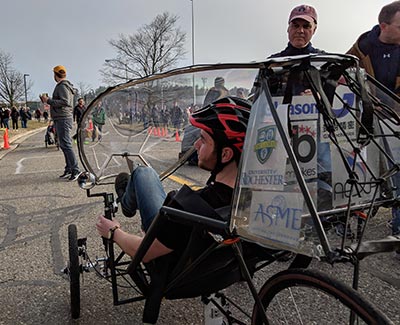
x: 218, y: 270
x: 203, y: 267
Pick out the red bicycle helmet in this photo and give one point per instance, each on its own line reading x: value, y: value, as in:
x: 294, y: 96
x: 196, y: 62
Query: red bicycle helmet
x: 225, y: 120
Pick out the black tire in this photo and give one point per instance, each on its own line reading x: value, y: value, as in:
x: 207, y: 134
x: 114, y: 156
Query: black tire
x: 303, y: 296
x: 74, y: 271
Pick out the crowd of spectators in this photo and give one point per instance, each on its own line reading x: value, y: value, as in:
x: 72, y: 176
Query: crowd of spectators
x: 13, y: 118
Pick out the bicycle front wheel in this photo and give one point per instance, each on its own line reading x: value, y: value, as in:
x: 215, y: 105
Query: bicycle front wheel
x: 302, y: 296
x: 74, y: 272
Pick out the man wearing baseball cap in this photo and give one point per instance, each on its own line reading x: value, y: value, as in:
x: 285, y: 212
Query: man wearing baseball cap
x: 61, y: 111
x: 302, y: 26
x: 303, y: 21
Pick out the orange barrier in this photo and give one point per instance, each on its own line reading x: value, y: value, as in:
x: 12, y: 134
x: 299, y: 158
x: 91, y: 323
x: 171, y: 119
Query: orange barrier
x: 5, y: 138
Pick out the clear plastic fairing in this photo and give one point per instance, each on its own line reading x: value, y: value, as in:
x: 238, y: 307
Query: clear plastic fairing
x: 146, y: 120
x: 300, y: 183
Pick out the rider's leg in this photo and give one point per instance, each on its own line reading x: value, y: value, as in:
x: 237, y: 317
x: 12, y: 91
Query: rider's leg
x: 144, y: 192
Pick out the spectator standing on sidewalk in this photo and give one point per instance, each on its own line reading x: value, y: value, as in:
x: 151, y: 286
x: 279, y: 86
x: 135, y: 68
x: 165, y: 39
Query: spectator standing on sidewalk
x: 99, y: 119
x: 379, y: 54
x: 79, y: 109
x: 176, y: 117
x: 24, y: 115
x: 6, y: 116
x: 61, y: 111
x: 14, y: 118
x: 38, y: 114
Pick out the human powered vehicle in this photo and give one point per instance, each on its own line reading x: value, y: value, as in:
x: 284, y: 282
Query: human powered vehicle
x: 315, y: 170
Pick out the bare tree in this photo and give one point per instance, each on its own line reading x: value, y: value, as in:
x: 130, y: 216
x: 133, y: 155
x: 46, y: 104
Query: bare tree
x: 154, y: 48
x: 83, y: 89
x: 12, y: 88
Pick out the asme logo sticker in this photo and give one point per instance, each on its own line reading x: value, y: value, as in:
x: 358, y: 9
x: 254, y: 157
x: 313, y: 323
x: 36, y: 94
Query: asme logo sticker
x: 266, y: 143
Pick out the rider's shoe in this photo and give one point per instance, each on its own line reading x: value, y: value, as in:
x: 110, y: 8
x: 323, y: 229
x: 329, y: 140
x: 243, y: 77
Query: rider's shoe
x: 74, y: 175
x: 66, y: 174
x: 121, y: 182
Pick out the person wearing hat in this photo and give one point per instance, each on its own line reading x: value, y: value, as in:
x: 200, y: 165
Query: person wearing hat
x: 216, y: 92
x: 61, y: 111
x: 302, y: 27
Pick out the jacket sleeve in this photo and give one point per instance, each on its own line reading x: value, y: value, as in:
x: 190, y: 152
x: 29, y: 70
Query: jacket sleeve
x: 62, y: 97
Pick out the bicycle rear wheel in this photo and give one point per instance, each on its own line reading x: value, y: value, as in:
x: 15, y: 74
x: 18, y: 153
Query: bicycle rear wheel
x: 302, y: 296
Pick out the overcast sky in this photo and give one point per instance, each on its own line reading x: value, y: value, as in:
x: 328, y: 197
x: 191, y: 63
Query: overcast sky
x: 40, y: 34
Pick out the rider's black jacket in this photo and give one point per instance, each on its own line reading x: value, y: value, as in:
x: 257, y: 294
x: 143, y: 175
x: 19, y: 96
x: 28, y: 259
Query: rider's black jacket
x: 216, y: 195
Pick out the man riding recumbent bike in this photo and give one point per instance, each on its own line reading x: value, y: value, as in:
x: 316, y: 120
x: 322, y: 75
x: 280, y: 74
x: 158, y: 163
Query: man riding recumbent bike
x: 313, y: 172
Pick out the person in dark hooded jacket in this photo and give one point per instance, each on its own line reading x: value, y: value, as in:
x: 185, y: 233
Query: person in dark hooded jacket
x: 61, y: 111
x: 379, y: 48
x: 379, y: 54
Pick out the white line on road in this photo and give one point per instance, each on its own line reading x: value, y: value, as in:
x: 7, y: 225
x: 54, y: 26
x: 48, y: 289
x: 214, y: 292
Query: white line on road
x: 20, y: 164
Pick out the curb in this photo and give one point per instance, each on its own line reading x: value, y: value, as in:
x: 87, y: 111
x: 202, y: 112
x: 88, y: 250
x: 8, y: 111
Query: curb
x: 20, y: 137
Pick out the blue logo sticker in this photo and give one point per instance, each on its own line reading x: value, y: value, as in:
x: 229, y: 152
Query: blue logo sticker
x: 266, y: 143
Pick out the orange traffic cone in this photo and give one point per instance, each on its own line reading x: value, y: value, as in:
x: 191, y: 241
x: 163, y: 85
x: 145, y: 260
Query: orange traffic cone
x: 5, y: 138
x: 177, y: 138
x: 150, y: 129
x: 159, y: 132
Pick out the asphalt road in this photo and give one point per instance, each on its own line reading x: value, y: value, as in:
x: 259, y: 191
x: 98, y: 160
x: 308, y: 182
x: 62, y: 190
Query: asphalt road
x: 35, y: 210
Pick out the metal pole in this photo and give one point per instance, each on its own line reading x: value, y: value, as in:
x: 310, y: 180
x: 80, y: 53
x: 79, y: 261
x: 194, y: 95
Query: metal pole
x: 192, y: 31
x: 194, y: 88
x: 26, y: 95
